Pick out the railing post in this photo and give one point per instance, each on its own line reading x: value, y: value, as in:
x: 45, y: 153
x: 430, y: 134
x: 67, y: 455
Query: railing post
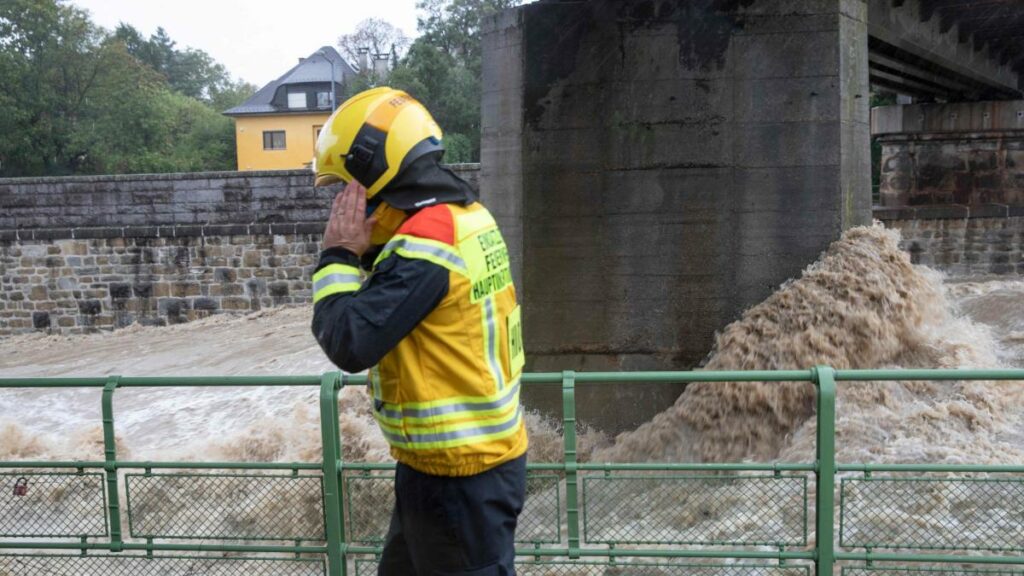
x: 110, y: 463
x: 330, y: 382
x: 824, y: 377
x: 572, y: 506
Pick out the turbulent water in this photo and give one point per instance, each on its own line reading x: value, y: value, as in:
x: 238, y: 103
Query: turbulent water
x: 861, y: 305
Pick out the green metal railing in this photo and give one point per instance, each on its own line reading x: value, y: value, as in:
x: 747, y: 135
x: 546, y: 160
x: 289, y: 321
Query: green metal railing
x: 581, y: 518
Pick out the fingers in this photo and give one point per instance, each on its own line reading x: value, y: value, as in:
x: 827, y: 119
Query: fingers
x: 348, y: 203
x: 336, y: 203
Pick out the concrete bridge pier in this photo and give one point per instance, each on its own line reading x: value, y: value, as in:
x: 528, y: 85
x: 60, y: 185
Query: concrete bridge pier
x: 659, y: 166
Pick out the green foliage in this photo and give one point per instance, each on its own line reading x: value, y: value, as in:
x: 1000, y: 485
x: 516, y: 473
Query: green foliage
x: 190, y: 72
x: 82, y: 100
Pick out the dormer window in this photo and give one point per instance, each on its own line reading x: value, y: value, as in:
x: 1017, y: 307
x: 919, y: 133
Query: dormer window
x: 297, y: 100
x: 323, y: 99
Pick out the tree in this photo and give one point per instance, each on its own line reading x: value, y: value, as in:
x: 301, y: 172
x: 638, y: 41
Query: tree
x: 375, y: 35
x: 51, y: 58
x: 191, y: 72
x: 78, y: 99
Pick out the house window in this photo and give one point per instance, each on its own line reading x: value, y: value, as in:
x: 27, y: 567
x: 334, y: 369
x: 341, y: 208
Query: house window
x: 323, y: 99
x: 273, y: 140
x: 316, y: 134
x: 297, y: 100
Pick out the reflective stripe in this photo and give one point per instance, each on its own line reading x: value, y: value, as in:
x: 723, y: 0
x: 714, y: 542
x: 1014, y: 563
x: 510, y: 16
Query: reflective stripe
x: 491, y: 342
x: 335, y: 279
x: 458, y: 408
x: 468, y: 432
x: 466, y: 421
x: 468, y: 435
x: 425, y: 249
x: 336, y: 269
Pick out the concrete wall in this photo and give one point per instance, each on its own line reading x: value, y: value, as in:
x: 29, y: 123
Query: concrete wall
x: 672, y: 164
x: 83, y: 254
x: 962, y: 153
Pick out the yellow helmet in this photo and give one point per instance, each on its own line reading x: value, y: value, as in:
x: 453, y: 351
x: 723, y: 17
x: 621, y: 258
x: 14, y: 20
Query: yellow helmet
x: 372, y: 136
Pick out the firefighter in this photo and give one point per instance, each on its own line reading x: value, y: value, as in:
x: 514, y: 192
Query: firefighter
x: 414, y: 284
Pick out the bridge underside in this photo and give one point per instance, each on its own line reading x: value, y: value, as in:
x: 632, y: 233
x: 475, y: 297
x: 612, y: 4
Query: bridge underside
x: 949, y: 50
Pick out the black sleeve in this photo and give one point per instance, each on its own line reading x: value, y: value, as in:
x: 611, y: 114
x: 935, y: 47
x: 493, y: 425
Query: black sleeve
x: 357, y: 329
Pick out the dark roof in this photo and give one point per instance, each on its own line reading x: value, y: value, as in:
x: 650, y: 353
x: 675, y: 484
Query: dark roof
x: 313, y: 69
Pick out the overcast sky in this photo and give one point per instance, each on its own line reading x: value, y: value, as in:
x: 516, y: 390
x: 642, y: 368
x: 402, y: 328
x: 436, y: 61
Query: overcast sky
x: 257, y: 40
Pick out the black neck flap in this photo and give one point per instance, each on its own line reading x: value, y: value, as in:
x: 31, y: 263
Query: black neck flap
x: 425, y: 182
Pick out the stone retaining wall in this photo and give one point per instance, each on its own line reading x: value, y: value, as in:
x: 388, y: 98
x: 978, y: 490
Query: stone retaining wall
x: 962, y: 240
x: 84, y: 254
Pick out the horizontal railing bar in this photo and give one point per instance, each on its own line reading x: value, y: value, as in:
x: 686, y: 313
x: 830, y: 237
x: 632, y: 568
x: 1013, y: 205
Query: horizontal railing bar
x: 998, y: 468
x: 928, y: 374
x: 928, y: 558
x: 164, y: 465
x: 161, y: 382
x: 715, y: 467
x: 640, y: 466
x: 688, y: 376
x: 634, y: 552
x: 651, y: 377
x: 164, y: 547
x: 530, y: 378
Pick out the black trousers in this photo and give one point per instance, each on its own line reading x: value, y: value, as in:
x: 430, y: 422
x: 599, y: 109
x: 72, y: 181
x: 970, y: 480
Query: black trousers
x: 455, y: 526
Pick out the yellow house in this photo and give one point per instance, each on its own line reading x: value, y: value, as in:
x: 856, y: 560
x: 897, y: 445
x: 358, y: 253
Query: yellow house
x: 277, y: 128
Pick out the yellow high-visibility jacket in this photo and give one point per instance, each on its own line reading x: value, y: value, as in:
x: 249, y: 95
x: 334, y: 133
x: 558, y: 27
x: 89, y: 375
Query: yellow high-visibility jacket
x: 446, y: 396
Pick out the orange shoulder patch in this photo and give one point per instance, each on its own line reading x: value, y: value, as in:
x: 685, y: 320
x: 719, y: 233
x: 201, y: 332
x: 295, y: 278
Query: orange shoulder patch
x: 434, y: 223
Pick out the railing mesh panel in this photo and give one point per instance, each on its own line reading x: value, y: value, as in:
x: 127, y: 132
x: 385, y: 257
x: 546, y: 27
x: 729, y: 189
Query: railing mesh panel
x: 52, y: 505
x: 933, y: 513
x: 929, y: 571
x: 711, y: 509
x: 370, y: 499
x: 225, y: 506
x: 625, y: 568
x: 540, y: 521
x: 123, y: 565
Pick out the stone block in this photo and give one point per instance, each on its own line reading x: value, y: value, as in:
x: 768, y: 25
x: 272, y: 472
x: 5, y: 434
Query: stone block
x: 235, y: 303
x: 90, y: 307
x: 172, y: 306
x: 208, y: 304
x: 278, y: 289
x: 252, y: 259
x: 120, y: 290
x: 36, y: 293
x: 224, y: 274
x: 183, y: 289
x: 41, y: 320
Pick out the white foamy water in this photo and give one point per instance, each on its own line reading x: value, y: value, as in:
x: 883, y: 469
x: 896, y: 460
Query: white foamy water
x: 862, y: 305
